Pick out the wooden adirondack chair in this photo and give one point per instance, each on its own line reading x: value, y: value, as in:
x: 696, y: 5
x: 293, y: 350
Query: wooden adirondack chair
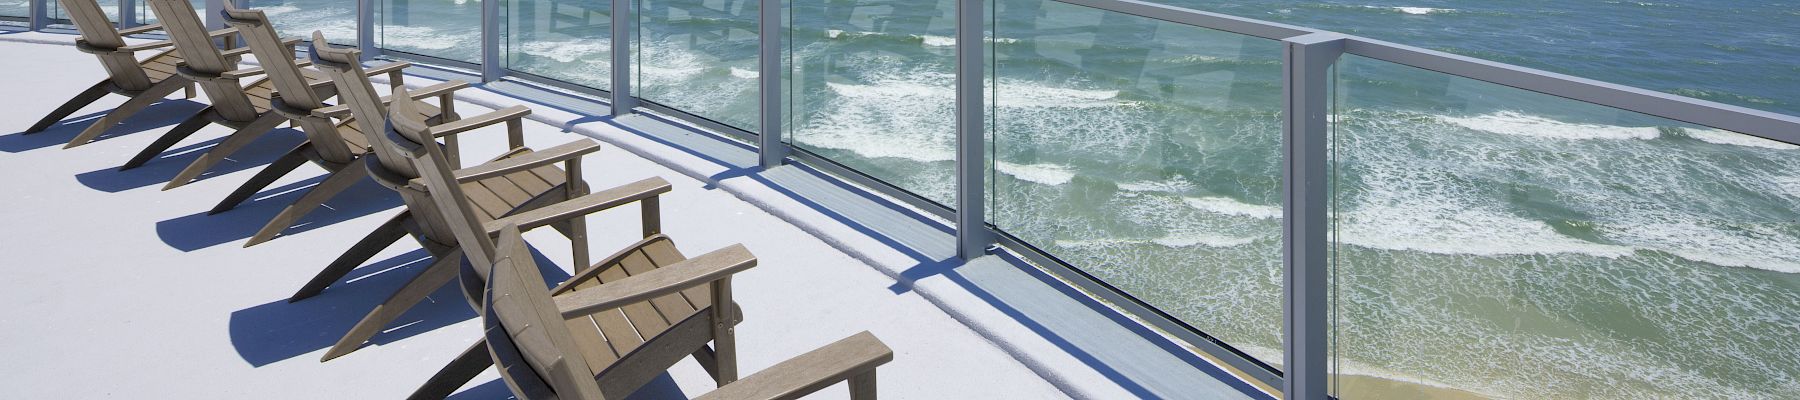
x: 332, y: 146
x: 552, y: 346
x: 143, y: 82
x: 633, y: 314
x: 243, y: 108
x: 518, y: 184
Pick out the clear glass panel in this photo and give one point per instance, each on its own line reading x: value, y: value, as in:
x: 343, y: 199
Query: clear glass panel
x: 1503, y: 243
x: 1149, y: 154
x: 14, y: 9
x: 111, y: 7
x: 566, y: 40
x: 145, y: 16
x: 299, y: 18
x: 873, y: 87
x: 699, y: 56
x: 448, y: 29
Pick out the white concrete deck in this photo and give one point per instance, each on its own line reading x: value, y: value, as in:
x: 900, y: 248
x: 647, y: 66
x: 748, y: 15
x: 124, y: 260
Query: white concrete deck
x: 118, y: 289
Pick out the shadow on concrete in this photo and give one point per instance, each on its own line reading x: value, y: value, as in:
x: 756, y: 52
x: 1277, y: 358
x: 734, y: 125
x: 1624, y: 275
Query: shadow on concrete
x: 199, y: 230
x: 162, y: 114
x: 163, y: 167
x: 279, y: 330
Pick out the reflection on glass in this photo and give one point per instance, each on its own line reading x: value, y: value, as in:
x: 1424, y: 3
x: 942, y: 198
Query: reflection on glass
x: 448, y: 29
x: 872, y: 87
x: 1502, y: 243
x: 57, y: 14
x: 15, y: 9
x: 145, y: 16
x: 299, y: 18
x: 699, y: 56
x: 567, y: 40
x: 1149, y: 154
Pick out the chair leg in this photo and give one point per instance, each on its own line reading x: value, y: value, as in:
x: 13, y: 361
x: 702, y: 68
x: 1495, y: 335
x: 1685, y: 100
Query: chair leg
x: 237, y: 140
x: 281, y: 167
x: 459, y: 372
x: 384, y: 235
x: 137, y: 103
x: 81, y: 100
x: 170, y: 138
x: 707, y: 360
x: 333, y: 184
x: 435, y: 276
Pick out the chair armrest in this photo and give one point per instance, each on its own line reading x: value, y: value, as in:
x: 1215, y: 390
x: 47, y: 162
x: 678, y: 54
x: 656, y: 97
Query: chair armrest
x: 850, y: 358
x: 140, y: 29
x: 396, y: 77
x: 341, y: 110
x: 584, y: 205
x: 221, y: 32
x: 508, y: 114
x: 254, y: 71
x: 240, y: 50
x: 535, y: 159
x: 147, y: 46
x: 676, y: 277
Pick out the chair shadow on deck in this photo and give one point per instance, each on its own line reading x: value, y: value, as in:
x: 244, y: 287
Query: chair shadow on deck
x: 661, y: 388
x: 198, y: 230
x: 162, y: 114
x: 164, y: 166
x: 279, y: 330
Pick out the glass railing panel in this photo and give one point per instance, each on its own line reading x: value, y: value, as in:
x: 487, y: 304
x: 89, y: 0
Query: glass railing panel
x: 299, y: 18
x: 448, y: 29
x: 699, y: 56
x: 145, y: 16
x: 565, y: 40
x: 873, y: 88
x: 15, y: 9
x: 111, y: 7
x: 1147, y: 153
x: 1496, y: 242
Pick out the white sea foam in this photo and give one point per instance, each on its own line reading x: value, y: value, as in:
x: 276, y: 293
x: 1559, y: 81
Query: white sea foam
x: 1711, y: 241
x: 1729, y: 138
x: 741, y: 73
x: 1514, y: 123
x: 1422, y: 10
x: 416, y: 38
x: 950, y: 41
x: 1180, y: 239
x: 1229, y: 206
x: 1176, y: 185
x: 569, y: 50
x: 1433, y: 229
x: 1046, y: 174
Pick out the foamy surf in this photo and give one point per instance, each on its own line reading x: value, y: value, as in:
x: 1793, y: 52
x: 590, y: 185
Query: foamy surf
x: 1229, y: 206
x: 1045, y: 174
x: 1518, y: 124
x: 1730, y: 138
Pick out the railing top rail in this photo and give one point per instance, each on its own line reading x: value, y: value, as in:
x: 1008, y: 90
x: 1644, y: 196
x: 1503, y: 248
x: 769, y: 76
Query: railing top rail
x: 1764, y: 124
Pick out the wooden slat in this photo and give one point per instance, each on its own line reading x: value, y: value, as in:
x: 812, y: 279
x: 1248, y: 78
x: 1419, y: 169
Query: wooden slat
x: 485, y: 201
x: 507, y: 191
x: 664, y: 254
x: 672, y: 307
x: 644, y: 318
x: 618, y: 331
x: 587, y: 337
x: 531, y: 182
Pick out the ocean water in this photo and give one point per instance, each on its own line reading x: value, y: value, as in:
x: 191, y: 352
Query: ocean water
x: 1487, y: 241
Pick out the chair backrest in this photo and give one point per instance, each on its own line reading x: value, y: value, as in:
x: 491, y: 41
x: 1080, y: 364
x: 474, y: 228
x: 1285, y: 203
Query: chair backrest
x: 195, y: 45
x: 531, y: 346
x: 439, y: 204
x: 277, y: 60
x: 99, y: 33
x: 344, y: 66
x: 290, y: 81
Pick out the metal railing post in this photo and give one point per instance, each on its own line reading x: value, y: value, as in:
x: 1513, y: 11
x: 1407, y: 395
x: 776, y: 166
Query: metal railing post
x: 127, y: 14
x: 769, y: 147
x: 490, y: 41
x: 215, y: 21
x: 972, y: 235
x: 622, y: 22
x: 365, y: 29
x: 1304, y: 242
x: 40, y: 14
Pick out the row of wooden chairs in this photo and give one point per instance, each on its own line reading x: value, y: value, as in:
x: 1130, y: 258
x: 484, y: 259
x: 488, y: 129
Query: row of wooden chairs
x: 603, y: 333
